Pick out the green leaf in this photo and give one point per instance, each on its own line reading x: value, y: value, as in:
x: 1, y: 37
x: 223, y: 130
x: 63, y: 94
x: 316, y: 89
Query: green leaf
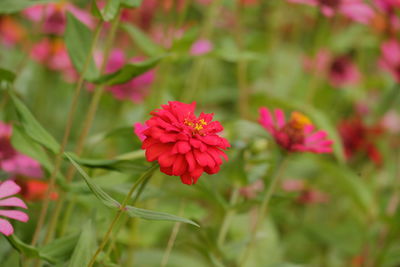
x: 131, y: 3
x: 130, y: 162
x: 24, y: 144
x: 110, y: 10
x: 6, y: 75
x: 352, y: 184
x: 19, y: 245
x: 85, y: 247
x: 13, y: 6
x: 96, y: 190
x: 128, y: 72
x: 78, y: 39
x: 32, y: 127
x: 156, y: 216
x: 59, y: 250
x: 143, y: 41
x: 131, y: 211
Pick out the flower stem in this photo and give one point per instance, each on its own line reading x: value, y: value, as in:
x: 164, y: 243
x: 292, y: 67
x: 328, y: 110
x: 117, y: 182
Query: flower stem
x: 223, y: 231
x: 263, y: 210
x: 198, y: 66
x: 143, y: 179
x: 68, y: 127
x: 172, y: 237
x: 87, y: 125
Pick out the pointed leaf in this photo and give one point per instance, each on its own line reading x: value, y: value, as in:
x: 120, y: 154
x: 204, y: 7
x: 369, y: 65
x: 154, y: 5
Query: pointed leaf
x: 96, y: 190
x: 110, y: 10
x: 128, y: 72
x: 78, y: 39
x: 60, y: 249
x: 143, y: 41
x: 32, y: 127
x: 85, y: 247
x: 156, y: 216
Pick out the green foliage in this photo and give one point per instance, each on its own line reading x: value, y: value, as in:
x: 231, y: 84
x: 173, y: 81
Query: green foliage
x: 78, y: 38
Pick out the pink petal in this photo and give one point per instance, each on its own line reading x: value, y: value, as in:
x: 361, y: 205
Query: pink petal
x: 266, y: 120
x: 280, y: 118
x: 15, y: 214
x: 12, y: 202
x: 8, y: 188
x: 6, y: 227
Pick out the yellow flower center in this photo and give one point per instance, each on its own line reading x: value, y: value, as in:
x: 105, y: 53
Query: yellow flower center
x: 196, y: 126
x: 299, y: 120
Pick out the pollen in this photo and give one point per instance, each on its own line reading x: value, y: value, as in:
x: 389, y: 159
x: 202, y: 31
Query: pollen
x: 196, y: 126
x: 299, y: 120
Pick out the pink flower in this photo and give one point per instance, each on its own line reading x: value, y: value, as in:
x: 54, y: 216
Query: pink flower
x: 11, y: 32
x: 293, y: 185
x: 12, y: 161
x: 7, y: 190
x: 391, y: 122
x: 53, y: 54
x: 54, y: 16
x: 340, y: 70
x: 139, y: 129
x: 201, y: 47
x: 134, y: 90
x: 183, y: 144
x: 295, y: 135
x: 356, y: 10
x: 312, y: 196
x: 390, y: 58
x: 250, y: 191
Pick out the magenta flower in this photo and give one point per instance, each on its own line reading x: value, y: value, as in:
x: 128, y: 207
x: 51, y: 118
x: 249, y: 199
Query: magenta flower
x: 139, y: 129
x: 339, y: 70
x: 295, y: 135
x: 53, y: 16
x: 7, y: 190
x: 355, y: 10
x: 390, y: 58
x: 134, y: 90
x: 13, y: 162
x: 53, y: 54
x: 201, y: 47
x: 11, y: 32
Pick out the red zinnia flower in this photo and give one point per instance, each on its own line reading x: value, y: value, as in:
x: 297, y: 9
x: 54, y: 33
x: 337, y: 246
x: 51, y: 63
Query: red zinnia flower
x: 295, y: 135
x: 359, y: 138
x: 183, y: 144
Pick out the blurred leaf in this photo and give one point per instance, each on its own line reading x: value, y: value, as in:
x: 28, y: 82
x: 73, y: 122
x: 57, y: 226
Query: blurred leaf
x: 131, y: 3
x: 97, y: 191
x: 6, y: 75
x: 60, y: 249
x: 85, y: 247
x: 32, y: 127
x: 13, y: 6
x: 78, y: 39
x: 156, y: 216
x: 131, y: 162
x: 14, y: 259
x: 110, y: 10
x: 349, y: 182
x: 390, y: 98
x: 24, y: 144
x: 143, y: 41
x: 128, y: 72
x: 25, y: 249
x: 131, y: 211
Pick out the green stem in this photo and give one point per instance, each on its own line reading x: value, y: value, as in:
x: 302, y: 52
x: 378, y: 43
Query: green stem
x: 143, y: 179
x: 223, y: 231
x: 198, y: 66
x: 263, y: 210
x: 70, y: 117
x: 172, y: 238
x: 87, y: 125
